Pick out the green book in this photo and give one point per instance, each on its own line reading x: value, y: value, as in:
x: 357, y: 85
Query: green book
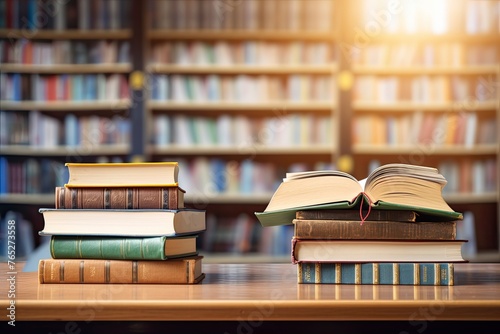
x: 376, y: 273
x: 121, y: 248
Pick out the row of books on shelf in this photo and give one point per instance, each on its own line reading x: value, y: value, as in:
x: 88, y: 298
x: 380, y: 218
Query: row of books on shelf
x: 425, y: 54
x: 424, y: 88
x: 43, y: 131
x: 241, y: 88
x: 246, y: 15
x: 241, y: 131
x: 243, y: 52
x: 435, y: 17
x: 34, y: 15
x: 64, y: 87
x: 451, y: 128
x: 243, y: 235
x: 478, y: 176
x: 25, y: 51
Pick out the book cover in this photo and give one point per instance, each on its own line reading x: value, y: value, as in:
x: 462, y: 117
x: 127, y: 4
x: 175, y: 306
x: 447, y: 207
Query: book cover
x: 119, y: 198
x: 390, y: 230
x: 376, y: 273
x: 175, y: 271
x: 121, y: 248
x: 122, y: 222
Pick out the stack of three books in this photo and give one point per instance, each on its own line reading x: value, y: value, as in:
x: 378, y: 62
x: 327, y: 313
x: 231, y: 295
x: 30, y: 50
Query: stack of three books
x: 122, y: 223
x: 391, y: 247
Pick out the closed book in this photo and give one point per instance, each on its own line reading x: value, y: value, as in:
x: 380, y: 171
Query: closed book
x: 141, y: 174
x: 121, y: 248
x: 344, y: 229
x: 376, y: 250
x: 376, y: 273
x: 124, y: 222
x: 175, y: 271
x: 119, y: 198
x: 346, y: 214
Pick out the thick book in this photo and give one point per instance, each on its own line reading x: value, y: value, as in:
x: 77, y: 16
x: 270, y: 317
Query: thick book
x: 140, y: 174
x: 376, y: 273
x: 349, y: 229
x: 114, y: 222
x: 175, y: 271
x: 348, y: 214
x: 121, y: 248
x: 376, y: 250
x: 389, y: 187
x: 119, y: 198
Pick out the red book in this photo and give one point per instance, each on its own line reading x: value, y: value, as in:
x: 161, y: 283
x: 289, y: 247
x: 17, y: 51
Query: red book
x: 52, y: 88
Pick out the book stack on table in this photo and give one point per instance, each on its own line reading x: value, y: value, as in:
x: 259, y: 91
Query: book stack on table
x: 122, y: 223
x: 392, y: 228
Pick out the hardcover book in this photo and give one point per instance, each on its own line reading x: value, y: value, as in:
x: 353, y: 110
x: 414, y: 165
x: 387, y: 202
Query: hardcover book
x: 115, y: 222
x: 342, y: 229
x: 376, y: 250
x: 119, y: 198
x: 175, y: 271
x: 422, y: 188
x: 348, y: 214
x: 376, y: 273
x: 121, y: 248
x: 142, y: 174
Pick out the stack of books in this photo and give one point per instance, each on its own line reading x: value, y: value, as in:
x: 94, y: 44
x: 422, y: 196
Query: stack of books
x: 392, y: 228
x: 122, y: 223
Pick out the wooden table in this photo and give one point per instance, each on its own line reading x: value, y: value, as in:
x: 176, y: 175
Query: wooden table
x: 251, y: 298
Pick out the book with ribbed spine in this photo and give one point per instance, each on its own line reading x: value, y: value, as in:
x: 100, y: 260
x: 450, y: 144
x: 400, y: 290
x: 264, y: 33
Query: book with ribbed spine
x: 119, y: 198
x: 118, y: 248
x: 340, y: 229
x: 91, y: 271
x: 376, y: 273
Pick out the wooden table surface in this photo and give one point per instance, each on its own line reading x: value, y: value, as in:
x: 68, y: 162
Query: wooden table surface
x: 232, y: 292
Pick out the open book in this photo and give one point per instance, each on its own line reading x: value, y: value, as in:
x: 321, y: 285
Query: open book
x: 392, y: 186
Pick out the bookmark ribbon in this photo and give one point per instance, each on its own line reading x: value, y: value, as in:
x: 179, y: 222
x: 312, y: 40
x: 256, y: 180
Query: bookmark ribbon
x: 365, y: 217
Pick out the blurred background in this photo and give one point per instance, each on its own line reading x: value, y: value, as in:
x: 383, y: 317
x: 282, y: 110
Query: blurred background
x: 240, y: 92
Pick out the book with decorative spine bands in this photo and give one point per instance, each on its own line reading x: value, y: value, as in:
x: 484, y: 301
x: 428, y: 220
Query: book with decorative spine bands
x: 119, y: 198
x: 376, y: 273
x: 85, y: 271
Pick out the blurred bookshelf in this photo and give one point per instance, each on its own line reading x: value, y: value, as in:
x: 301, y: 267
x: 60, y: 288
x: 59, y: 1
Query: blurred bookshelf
x: 241, y: 92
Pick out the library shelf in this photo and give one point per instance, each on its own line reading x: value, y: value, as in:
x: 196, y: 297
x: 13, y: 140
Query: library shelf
x: 279, y: 35
x: 466, y: 198
x: 481, y: 38
x: 27, y: 199
x: 66, y: 68
x: 423, y: 69
x: 91, y: 34
x: 68, y: 151
x: 65, y: 106
x: 227, y: 258
x: 243, y: 69
x: 235, y: 106
x: 405, y: 106
x: 228, y: 198
x: 309, y: 149
x: 434, y: 149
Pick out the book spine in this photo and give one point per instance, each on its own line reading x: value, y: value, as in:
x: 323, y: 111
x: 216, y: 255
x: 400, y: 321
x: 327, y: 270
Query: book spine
x: 375, y: 215
x: 117, y: 272
x: 117, y: 198
x: 376, y: 273
x: 328, y: 229
x: 73, y: 247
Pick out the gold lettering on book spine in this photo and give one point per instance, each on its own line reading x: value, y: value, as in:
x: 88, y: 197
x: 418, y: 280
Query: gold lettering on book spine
x: 134, y: 272
x: 307, y: 274
x: 107, y: 198
x: 357, y: 273
x: 299, y: 273
x: 437, y: 274
x: 416, y: 274
x: 451, y: 274
x: 375, y: 273
x: 338, y: 273
x: 317, y: 273
x: 395, y: 273
x: 165, y: 204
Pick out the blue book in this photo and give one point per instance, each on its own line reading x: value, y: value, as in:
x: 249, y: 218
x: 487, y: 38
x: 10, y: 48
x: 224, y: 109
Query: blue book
x: 4, y: 175
x: 376, y: 273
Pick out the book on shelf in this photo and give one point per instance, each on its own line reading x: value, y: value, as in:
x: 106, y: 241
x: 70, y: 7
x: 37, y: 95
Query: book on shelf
x: 141, y: 174
x: 390, y: 230
x: 382, y: 189
x: 122, y: 248
x: 120, y: 198
x: 122, y: 222
x: 91, y: 271
x: 376, y: 273
x: 365, y: 250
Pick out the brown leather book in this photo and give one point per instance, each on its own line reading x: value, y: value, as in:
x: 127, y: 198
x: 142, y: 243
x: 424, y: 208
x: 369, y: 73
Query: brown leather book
x: 339, y: 229
x: 346, y: 214
x: 175, y: 271
x: 120, y: 198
